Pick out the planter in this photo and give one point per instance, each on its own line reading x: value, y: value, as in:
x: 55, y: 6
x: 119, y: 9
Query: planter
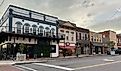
x: 20, y: 57
x: 112, y: 52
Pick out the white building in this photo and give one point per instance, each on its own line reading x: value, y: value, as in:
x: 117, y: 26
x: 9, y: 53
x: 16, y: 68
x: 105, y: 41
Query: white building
x: 37, y: 31
x: 69, y: 30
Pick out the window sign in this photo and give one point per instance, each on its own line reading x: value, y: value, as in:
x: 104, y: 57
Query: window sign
x: 53, y: 48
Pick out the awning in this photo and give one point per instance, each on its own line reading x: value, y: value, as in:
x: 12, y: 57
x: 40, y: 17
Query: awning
x: 97, y: 44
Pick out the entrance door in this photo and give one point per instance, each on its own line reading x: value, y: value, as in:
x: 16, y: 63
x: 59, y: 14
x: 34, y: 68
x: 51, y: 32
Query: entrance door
x: 43, y: 48
x: 96, y: 49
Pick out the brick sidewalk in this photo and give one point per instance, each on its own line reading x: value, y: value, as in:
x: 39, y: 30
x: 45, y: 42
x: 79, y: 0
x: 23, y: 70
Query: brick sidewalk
x: 8, y: 68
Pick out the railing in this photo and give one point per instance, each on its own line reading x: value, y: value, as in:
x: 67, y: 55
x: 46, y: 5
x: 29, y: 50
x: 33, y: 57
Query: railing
x: 31, y: 32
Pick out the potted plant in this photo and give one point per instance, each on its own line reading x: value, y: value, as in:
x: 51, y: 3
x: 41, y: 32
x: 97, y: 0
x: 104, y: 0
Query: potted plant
x: 21, y: 55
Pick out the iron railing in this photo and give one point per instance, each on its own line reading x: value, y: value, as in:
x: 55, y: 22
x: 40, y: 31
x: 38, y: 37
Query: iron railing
x: 31, y: 32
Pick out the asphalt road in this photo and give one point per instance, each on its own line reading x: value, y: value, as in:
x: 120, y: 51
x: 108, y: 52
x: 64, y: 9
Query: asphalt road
x: 95, y: 63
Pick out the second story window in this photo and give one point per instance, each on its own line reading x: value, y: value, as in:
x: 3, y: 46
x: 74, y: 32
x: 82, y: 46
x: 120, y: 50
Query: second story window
x: 79, y: 36
x: 18, y: 26
x: 34, y: 29
x: 85, y: 36
x: 72, y: 36
x: 67, y: 35
x: 92, y: 38
x: 41, y: 29
x: 47, y: 31
x: 62, y: 31
x: 52, y: 30
x: 26, y: 26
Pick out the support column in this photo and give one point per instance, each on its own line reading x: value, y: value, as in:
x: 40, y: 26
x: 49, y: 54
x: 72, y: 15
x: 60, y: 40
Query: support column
x: 10, y: 20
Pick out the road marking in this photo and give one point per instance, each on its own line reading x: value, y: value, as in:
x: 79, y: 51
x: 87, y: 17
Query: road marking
x: 108, y: 60
x: 97, y: 65
x: 24, y: 67
x: 19, y: 68
x: 54, y: 66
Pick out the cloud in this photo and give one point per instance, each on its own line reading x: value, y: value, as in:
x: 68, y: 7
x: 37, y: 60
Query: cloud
x: 113, y: 24
x: 85, y: 13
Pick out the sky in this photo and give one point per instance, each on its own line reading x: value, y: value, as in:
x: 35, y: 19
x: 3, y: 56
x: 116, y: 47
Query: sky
x: 96, y: 15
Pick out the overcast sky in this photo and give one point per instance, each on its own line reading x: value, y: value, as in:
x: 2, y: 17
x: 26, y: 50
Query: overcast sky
x: 96, y: 15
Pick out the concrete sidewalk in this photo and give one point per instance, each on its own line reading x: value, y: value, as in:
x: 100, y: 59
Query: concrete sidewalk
x: 11, y: 62
x: 80, y: 56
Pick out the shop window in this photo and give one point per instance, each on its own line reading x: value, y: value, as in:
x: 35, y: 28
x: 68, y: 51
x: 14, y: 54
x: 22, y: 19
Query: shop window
x: 29, y: 39
x: 53, y: 48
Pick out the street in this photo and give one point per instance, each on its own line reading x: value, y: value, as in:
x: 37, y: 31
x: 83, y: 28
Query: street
x: 94, y: 63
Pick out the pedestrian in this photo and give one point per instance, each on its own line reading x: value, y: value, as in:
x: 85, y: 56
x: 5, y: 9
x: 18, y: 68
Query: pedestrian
x: 64, y: 53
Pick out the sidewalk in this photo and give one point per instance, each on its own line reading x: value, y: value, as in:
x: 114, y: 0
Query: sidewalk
x: 80, y: 56
x: 11, y: 62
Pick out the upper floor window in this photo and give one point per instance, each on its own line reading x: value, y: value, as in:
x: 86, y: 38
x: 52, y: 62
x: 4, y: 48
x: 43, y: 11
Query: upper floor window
x: 67, y: 38
x: 86, y: 37
x: 34, y: 29
x: 52, y: 30
x: 79, y: 36
x: 62, y: 31
x: 92, y: 38
x: 72, y: 36
x: 41, y: 28
x: 26, y: 27
x: 95, y: 40
x: 47, y: 31
x: 18, y: 26
x: 67, y: 31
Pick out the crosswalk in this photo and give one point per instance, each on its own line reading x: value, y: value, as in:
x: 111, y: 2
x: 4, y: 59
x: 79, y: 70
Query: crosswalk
x: 28, y: 68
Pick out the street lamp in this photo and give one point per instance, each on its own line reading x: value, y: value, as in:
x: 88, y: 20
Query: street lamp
x: 77, y: 48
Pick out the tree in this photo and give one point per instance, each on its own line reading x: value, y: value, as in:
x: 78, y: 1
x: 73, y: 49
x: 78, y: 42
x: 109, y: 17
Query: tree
x: 21, y: 48
x: 110, y: 44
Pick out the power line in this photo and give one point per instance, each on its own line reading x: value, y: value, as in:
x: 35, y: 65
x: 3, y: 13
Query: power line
x: 2, y: 2
x: 115, y: 13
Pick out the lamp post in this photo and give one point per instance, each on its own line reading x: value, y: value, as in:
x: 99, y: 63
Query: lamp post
x: 77, y: 48
x: 64, y: 52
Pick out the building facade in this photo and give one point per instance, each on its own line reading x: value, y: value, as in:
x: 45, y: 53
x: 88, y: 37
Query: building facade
x: 37, y: 31
x: 69, y: 30
x: 118, y: 40
x: 96, y: 43
x: 109, y: 36
x: 82, y: 37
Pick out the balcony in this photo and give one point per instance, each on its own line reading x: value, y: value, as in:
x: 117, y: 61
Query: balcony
x: 22, y: 31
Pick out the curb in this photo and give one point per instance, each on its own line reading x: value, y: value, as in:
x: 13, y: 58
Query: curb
x: 21, y: 62
x: 76, y: 57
